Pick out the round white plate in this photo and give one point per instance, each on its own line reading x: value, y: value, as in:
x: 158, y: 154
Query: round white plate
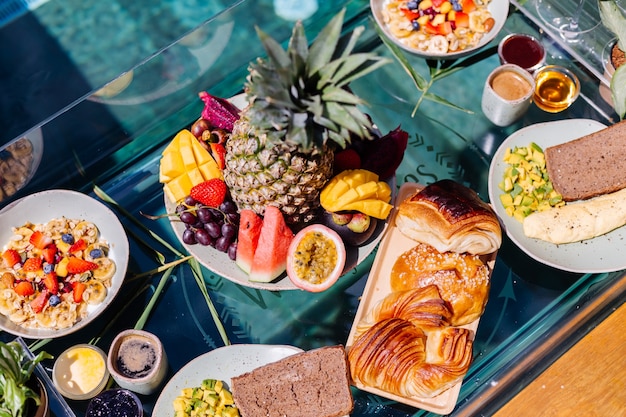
x: 499, y: 11
x: 219, y: 262
x: 47, y: 205
x: 221, y: 364
x: 602, y: 254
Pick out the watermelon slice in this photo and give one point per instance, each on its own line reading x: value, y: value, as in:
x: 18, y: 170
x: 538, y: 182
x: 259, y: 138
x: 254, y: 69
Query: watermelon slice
x: 247, y: 239
x: 270, y: 257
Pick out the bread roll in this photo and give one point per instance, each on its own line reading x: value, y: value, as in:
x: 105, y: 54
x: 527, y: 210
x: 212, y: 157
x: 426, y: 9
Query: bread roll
x: 450, y: 217
x: 461, y: 279
x: 397, y: 357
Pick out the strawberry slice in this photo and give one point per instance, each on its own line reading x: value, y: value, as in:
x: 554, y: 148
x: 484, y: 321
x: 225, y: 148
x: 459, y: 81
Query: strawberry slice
x: 211, y: 193
x: 49, y: 253
x: 51, y: 282
x: 218, y: 152
x: 39, y: 239
x: 39, y: 302
x: 32, y: 265
x: 79, y: 245
x: 78, y: 266
x: 24, y: 288
x: 78, y: 288
x: 11, y: 257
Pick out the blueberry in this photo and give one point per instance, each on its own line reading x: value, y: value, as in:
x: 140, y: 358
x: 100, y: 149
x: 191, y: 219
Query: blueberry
x: 96, y: 253
x: 47, y: 268
x: 5, y: 155
x: 68, y: 238
x: 54, y: 300
x: 457, y: 7
x: 412, y: 5
x: 415, y: 24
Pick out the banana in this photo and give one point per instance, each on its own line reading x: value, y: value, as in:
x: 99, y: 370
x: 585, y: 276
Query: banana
x: 87, y: 231
x: 8, y: 299
x: 95, y: 293
x: 97, y: 245
x: 105, y: 270
x: 46, y: 319
x: 20, y: 238
x: 477, y: 20
x: 65, y: 315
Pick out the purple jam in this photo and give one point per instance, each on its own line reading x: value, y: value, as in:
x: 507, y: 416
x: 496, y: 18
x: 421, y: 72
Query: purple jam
x: 522, y: 50
x: 115, y: 402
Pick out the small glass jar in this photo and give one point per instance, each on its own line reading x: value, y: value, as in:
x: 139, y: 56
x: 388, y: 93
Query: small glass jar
x: 556, y: 88
x: 80, y: 372
x: 116, y: 402
x: 522, y: 50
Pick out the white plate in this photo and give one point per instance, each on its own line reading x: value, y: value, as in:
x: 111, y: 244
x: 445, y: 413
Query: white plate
x: 222, y: 364
x: 601, y: 254
x: 499, y: 10
x: 47, y: 205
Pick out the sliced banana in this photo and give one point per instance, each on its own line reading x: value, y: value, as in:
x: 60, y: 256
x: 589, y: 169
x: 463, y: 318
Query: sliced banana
x: 95, y: 292
x: 8, y: 302
x: 105, y: 270
x: 477, y: 20
x: 438, y: 44
x: 87, y: 231
x: 20, y: 238
x: 97, y: 245
x: 66, y: 315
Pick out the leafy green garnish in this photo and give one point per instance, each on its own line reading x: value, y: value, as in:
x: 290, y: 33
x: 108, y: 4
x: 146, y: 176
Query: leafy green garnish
x: 16, y: 369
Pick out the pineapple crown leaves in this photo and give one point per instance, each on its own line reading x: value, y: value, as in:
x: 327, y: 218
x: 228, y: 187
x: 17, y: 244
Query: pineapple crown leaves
x: 300, y: 96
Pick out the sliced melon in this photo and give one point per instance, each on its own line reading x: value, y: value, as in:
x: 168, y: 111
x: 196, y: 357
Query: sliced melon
x: 270, y: 257
x: 248, y: 238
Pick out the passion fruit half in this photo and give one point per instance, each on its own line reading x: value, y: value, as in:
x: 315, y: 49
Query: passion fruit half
x: 316, y: 258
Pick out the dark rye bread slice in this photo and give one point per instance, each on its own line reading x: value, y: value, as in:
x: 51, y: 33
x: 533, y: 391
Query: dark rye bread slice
x: 308, y: 384
x: 590, y: 166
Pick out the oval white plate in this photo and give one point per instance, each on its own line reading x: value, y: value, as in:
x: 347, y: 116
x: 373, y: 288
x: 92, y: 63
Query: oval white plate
x: 47, y: 205
x: 601, y: 254
x: 222, y: 364
x: 499, y: 10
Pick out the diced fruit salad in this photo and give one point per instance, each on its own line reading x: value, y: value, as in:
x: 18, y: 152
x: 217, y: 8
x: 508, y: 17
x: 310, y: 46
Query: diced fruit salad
x: 211, y: 398
x: 525, y: 184
x: 438, y: 26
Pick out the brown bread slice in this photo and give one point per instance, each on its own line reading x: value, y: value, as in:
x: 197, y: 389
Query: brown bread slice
x: 308, y: 384
x: 590, y: 166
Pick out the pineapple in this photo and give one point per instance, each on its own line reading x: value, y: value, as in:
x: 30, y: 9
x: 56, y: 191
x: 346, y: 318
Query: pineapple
x: 299, y: 111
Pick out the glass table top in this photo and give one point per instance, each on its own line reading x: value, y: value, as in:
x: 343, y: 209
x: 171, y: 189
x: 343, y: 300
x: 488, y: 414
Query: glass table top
x: 114, y: 142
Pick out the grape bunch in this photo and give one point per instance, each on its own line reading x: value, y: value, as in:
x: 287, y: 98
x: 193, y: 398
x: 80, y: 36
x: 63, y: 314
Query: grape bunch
x: 210, y: 226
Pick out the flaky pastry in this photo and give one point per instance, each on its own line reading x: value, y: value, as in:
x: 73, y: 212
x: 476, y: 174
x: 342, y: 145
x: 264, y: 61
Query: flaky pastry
x: 450, y: 217
x: 462, y: 279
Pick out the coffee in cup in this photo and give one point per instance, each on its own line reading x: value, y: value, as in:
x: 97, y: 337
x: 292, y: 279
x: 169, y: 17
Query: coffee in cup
x: 507, y: 94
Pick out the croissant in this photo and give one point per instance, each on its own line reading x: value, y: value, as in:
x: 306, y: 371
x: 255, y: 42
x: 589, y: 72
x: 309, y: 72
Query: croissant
x: 462, y: 279
x: 397, y: 357
x: 450, y: 217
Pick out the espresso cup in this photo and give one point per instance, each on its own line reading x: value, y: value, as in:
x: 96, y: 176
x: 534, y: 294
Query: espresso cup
x: 507, y: 94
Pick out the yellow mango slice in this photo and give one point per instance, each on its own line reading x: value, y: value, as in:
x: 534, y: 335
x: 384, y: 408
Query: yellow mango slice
x: 178, y: 188
x: 372, y: 207
x: 384, y: 191
x: 195, y: 176
x: 210, y: 170
x: 171, y: 166
x: 367, y: 190
x: 356, y: 177
x: 201, y: 155
x: 331, y: 193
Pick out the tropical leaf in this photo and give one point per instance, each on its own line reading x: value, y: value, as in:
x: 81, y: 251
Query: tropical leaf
x: 618, y: 91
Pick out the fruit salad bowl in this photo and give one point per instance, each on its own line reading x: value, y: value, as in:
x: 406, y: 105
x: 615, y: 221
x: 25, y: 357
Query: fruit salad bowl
x: 42, y: 208
x: 429, y: 28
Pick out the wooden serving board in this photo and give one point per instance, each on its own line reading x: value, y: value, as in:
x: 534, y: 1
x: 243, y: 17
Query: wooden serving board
x: 378, y: 286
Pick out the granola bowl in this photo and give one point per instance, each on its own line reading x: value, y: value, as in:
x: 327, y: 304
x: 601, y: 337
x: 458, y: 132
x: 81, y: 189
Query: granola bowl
x: 440, y: 29
x: 80, y: 254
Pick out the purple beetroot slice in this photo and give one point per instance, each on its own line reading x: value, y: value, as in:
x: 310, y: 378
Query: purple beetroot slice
x: 384, y: 155
x: 219, y: 112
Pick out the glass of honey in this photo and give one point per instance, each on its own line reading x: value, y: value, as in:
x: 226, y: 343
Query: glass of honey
x: 523, y: 50
x: 556, y: 88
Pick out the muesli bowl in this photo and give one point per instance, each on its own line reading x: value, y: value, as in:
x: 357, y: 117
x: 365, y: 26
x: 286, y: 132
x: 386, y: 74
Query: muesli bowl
x: 403, y: 32
x: 41, y: 208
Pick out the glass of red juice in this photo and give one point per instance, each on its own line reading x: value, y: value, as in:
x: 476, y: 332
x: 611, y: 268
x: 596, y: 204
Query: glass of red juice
x: 523, y: 50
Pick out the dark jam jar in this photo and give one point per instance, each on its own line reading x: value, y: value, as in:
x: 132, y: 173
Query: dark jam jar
x: 523, y: 50
x: 117, y: 402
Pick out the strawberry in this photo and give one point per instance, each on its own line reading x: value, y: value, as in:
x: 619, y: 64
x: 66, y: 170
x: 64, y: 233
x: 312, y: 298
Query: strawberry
x: 219, y: 154
x: 39, y: 302
x: 24, y: 288
x: 32, y: 265
x: 39, y: 239
x: 78, y: 288
x: 11, y: 257
x: 210, y: 193
x: 78, y: 266
x: 51, y: 282
x: 79, y: 245
x: 49, y: 253
x: 346, y: 159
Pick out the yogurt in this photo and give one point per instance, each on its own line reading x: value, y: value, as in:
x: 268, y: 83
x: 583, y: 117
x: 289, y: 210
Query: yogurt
x: 80, y: 372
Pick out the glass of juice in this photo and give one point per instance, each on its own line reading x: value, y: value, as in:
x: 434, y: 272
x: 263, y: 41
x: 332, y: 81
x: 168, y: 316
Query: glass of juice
x: 523, y: 50
x: 556, y: 88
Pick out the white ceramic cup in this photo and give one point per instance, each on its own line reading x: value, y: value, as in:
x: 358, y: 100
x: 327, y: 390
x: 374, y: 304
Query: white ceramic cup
x: 507, y: 94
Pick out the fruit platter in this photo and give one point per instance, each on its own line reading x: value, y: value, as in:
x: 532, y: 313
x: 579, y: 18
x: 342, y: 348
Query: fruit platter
x: 252, y: 194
